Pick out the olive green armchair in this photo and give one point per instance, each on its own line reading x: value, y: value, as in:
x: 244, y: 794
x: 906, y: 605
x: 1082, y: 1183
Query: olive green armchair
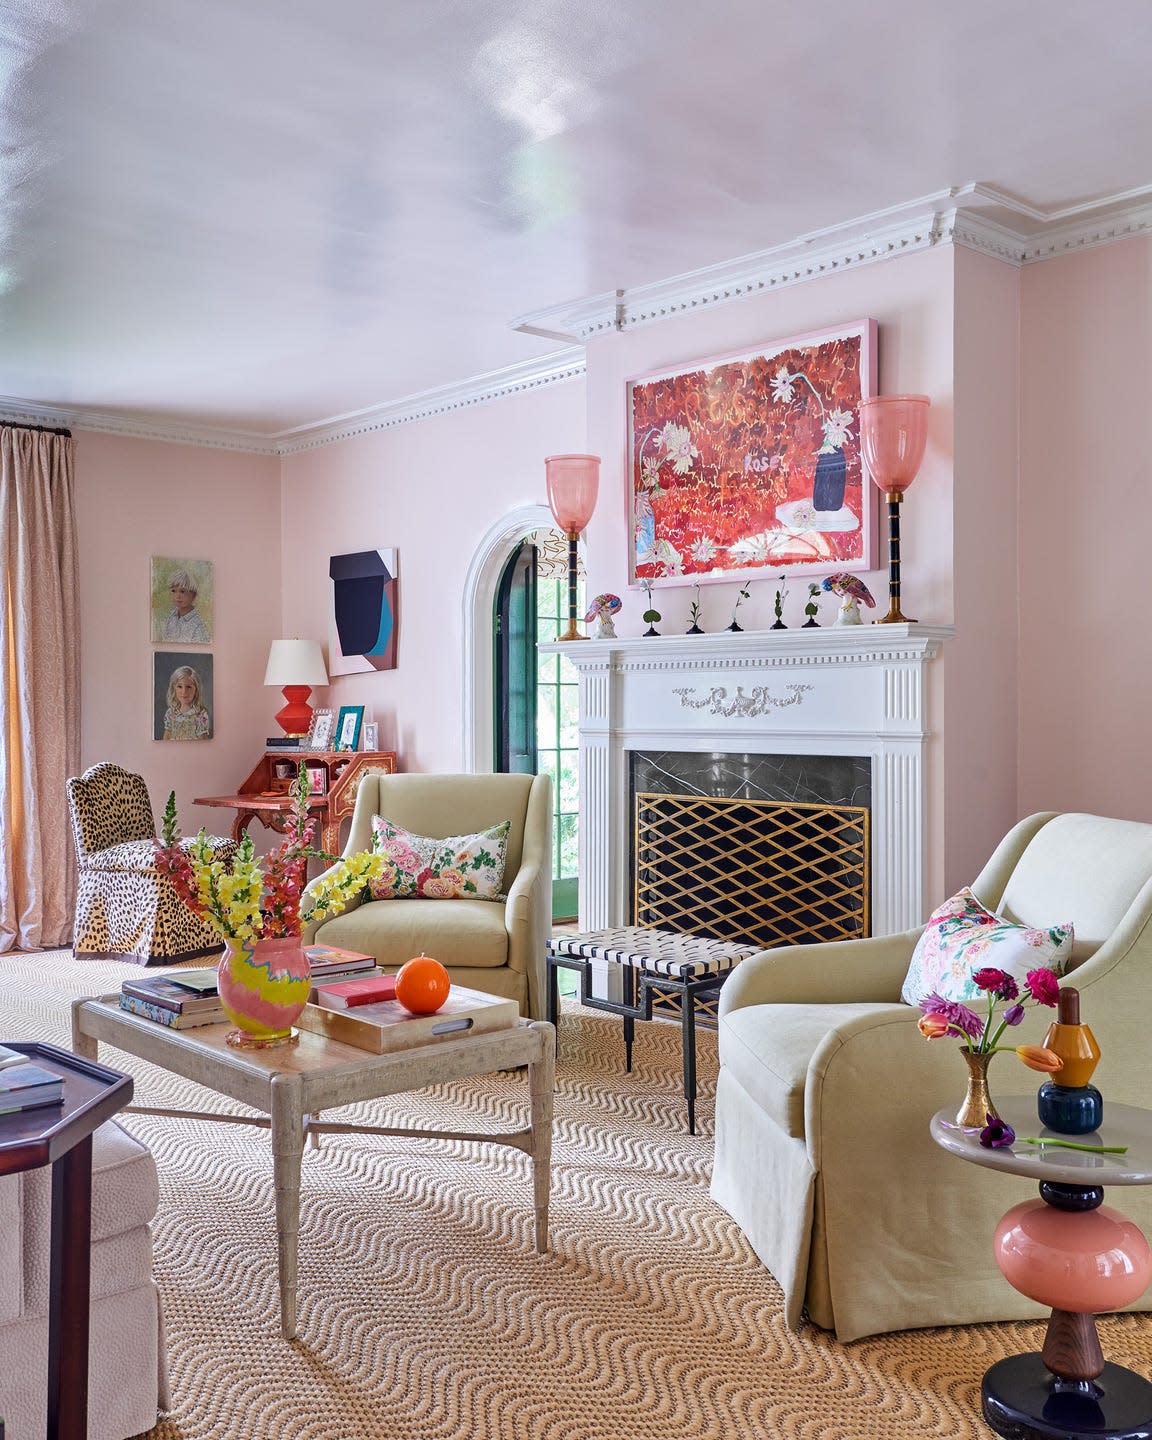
x: 496, y: 946
x: 826, y: 1088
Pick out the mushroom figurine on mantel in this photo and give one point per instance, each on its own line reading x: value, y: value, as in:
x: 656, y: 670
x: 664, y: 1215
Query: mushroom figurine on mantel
x: 601, y: 611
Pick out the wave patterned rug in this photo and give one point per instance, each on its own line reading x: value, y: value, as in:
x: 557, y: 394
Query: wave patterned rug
x: 427, y: 1315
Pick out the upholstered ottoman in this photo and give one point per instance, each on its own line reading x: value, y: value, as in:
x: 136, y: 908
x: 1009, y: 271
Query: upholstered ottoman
x: 651, y: 962
x: 127, y: 1373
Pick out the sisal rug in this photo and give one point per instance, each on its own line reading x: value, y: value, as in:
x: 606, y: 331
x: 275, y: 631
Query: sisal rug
x: 425, y: 1313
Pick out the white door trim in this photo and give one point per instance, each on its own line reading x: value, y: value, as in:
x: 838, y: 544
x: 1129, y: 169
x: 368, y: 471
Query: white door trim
x: 480, y: 584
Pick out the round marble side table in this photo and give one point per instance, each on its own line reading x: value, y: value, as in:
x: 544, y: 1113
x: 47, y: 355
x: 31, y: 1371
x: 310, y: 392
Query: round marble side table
x: 1068, y: 1250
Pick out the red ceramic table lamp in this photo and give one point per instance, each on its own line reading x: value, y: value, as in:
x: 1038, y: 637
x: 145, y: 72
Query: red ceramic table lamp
x: 573, y: 482
x: 295, y: 665
x: 893, y: 432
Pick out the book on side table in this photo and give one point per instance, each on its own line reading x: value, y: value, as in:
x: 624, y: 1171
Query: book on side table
x: 386, y: 1026
x: 26, y: 1087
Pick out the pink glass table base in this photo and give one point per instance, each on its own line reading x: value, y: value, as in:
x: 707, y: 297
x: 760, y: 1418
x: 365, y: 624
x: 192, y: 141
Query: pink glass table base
x: 1070, y: 1251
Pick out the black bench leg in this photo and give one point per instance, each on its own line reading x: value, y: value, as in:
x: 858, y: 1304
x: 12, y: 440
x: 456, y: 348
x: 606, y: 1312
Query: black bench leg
x: 629, y: 985
x: 553, y: 993
x: 688, y: 1020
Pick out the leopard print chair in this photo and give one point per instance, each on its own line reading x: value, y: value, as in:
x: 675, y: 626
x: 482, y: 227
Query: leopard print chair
x: 124, y: 905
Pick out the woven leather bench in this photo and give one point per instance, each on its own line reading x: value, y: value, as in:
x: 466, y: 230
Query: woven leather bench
x: 651, y: 962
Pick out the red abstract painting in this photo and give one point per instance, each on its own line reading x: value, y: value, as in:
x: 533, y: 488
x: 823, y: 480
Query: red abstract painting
x: 752, y: 462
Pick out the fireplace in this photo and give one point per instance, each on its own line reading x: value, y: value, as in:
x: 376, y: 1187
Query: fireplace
x: 832, y: 717
x: 769, y: 848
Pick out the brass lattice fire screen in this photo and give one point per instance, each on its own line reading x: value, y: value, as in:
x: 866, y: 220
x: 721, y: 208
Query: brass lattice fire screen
x: 772, y: 872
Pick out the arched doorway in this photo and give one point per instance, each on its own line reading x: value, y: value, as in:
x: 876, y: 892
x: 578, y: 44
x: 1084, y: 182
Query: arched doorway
x: 521, y: 709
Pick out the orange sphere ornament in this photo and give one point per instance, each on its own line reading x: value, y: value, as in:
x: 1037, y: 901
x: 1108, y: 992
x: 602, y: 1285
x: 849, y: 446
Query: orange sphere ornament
x: 422, y: 985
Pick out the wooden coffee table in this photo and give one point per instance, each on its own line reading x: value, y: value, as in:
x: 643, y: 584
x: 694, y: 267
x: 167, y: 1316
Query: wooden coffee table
x: 293, y: 1084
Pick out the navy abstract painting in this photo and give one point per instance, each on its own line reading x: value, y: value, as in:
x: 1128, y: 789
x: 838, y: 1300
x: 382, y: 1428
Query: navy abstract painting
x: 362, y: 629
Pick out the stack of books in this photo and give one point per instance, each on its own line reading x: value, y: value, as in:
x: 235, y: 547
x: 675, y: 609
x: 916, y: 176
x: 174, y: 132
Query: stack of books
x: 286, y: 742
x: 181, y: 1000
x: 24, y: 1086
x: 328, y: 962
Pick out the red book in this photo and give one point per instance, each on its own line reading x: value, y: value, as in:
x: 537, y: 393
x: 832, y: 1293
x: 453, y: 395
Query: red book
x: 345, y: 994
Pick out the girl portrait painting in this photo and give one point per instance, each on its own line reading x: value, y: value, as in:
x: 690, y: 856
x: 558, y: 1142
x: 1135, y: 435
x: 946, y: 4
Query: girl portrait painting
x: 181, y: 697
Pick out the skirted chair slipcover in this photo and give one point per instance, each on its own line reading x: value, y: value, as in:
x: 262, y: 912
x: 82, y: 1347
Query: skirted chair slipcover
x: 826, y: 1088
x: 124, y: 905
x: 496, y: 946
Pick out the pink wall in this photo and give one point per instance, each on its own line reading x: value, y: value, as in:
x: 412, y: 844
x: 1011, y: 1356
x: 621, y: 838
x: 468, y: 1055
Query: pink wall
x: 912, y: 298
x: 1086, y: 507
x: 981, y: 720
x: 136, y: 499
x: 431, y: 490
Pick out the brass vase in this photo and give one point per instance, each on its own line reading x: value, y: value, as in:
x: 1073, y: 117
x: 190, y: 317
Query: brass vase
x: 977, y: 1104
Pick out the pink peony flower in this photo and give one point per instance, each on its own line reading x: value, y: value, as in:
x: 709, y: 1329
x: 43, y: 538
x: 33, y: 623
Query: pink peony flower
x: 998, y: 981
x: 437, y: 888
x: 1043, y: 986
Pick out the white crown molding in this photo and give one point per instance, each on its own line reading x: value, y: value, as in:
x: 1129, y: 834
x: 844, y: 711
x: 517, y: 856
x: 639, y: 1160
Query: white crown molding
x: 976, y: 216
x: 555, y: 369
x: 527, y: 375
x: 15, y: 411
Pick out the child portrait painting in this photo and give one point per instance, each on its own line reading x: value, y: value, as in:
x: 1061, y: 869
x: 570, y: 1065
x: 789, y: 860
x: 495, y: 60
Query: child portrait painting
x: 182, y: 601
x: 181, y: 696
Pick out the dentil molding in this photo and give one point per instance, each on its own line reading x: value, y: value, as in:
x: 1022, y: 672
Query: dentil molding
x: 976, y: 216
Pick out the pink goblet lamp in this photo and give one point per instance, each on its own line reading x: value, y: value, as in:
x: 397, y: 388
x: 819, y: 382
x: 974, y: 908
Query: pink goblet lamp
x: 573, y: 483
x: 893, y: 433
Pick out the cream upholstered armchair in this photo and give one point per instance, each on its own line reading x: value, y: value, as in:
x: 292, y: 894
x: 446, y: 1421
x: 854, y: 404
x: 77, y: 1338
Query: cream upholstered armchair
x: 490, y: 945
x: 826, y: 1089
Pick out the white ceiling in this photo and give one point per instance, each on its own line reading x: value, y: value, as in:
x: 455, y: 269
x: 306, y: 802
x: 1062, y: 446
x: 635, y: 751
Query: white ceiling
x: 263, y: 213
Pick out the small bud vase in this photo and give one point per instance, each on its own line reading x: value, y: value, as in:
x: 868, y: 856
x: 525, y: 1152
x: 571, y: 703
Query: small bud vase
x: 264, y: 985
x: 977, y: 1104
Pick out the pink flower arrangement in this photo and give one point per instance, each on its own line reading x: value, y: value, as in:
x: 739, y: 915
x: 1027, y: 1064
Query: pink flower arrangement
x: 981, y: 1034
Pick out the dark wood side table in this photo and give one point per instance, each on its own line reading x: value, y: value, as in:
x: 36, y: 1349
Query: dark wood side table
x: 61, y: 1136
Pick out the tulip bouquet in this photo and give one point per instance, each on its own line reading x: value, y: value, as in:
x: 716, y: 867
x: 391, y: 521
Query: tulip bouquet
x: 252, y: 899
x: 982, y: 1034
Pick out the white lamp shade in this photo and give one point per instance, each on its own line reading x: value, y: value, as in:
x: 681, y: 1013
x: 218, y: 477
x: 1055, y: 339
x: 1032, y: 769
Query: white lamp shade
x: 295, y: 662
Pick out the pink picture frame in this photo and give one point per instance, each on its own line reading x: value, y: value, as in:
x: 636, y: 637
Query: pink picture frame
x: 749, y: 464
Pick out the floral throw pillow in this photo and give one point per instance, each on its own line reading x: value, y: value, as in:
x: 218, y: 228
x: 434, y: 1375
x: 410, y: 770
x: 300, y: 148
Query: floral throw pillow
x: 962, y: 936
x: 459, y: 867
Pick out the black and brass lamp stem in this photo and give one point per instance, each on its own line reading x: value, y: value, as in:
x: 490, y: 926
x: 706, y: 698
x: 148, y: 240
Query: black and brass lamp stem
x: 894, y: 615
x: 572, y: 633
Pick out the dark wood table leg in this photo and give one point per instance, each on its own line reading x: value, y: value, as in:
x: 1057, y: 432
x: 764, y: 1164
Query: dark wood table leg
x: 69, y: 1282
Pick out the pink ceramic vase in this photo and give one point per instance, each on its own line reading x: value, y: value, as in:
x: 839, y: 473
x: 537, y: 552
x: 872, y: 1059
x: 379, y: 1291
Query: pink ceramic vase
x: 263, y: 985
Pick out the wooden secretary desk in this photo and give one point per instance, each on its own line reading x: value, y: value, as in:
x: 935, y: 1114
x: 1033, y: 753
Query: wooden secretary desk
x: 264, y: 797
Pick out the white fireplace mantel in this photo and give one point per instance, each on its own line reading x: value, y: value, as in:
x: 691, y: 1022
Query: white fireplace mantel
x: 840, y: 690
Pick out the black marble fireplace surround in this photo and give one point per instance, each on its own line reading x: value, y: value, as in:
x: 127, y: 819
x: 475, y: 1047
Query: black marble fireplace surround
x: 807, y: 779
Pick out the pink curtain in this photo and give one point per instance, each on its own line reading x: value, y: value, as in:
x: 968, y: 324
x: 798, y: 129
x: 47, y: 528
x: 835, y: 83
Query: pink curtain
x: 39, y: 688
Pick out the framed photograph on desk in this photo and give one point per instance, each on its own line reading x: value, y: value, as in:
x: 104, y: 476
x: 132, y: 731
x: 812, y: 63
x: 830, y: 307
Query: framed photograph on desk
x: 348, y: 724
x: 320, y: 731
x: 371, y: 735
